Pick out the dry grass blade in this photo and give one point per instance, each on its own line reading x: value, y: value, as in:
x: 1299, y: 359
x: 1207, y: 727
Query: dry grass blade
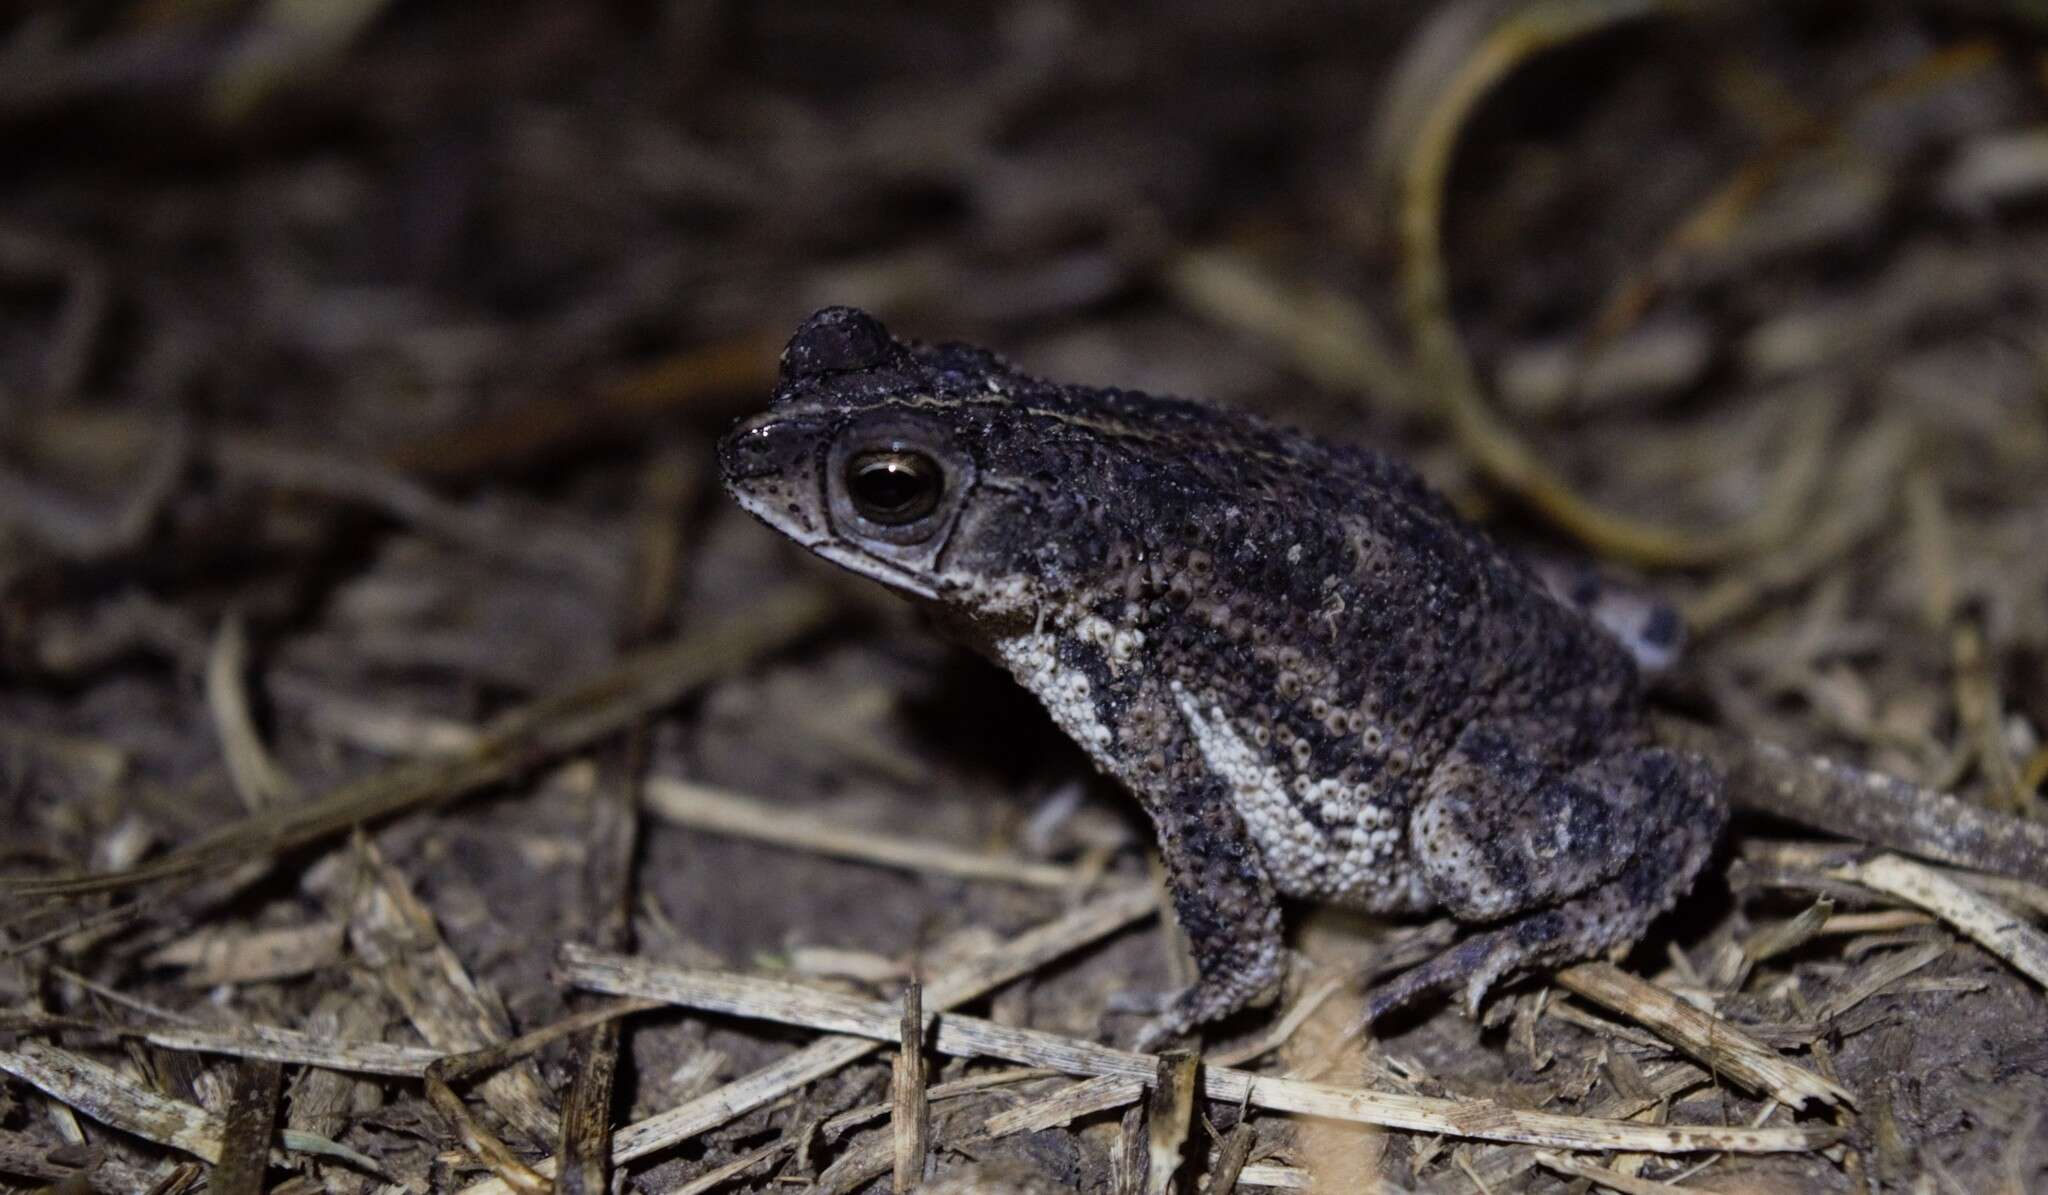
x: 704, y: 808
x: 21, y: 1155
x: 865, y: 1160
x: 1127, y: 1157
x: 398, y: 938
x: 973, y: 978
x: 713, y: 1179
x: 545, y: 547
x: 216, y: 957
x: 375, y: 1058
x: 1722, y: 1046
x: 292, y: 1046
x: 1613, y: 1180
x: 1274, y: 1177
x: 287, y: 43
x: 1876, y: 976
x: 969, y: 1037
x: 453, y: 1068
x: 113, y: 1099
x: 484, y: 1145
x: 910, y: 1117
x: 1879, y: 922
x: 665, y: 1130
x: 743, y: 365
x: 972, y: 1084
x: 1527, y: 32
x: 513, y: 743
x: 1982, y: 712
x: 1326, y: 335
x: 585, y: 1143
x: 1231, y: 1155
x: 718, y: 1176
x: 62, y: 527
x: 1167, y: 1119
x: 1068, y: 1104
x: 1979, y: 707
x: 255, y: 776
x: 1859, y: 507
x: 1778, y: 939
x: 1492, y: 1167
x: 1572, y: 1014
x: 606, y: 886
x: 329, y: 1101
x: 102, y: 921
x: 1979, y: 919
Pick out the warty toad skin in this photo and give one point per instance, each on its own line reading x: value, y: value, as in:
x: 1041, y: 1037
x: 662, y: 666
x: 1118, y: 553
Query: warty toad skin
x: 1317, y: 679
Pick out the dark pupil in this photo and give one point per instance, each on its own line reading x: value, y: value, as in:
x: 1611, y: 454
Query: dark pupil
x: 894, y: 487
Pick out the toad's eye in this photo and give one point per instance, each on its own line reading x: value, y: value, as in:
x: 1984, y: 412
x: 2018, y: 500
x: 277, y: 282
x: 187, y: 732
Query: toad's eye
x: 894, y: 488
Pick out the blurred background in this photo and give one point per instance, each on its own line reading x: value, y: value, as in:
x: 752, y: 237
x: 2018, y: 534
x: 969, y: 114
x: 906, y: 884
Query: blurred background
x: 380, y: 345
x: 521, y: 248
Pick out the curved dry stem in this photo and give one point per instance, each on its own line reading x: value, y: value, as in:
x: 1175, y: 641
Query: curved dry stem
x: 484, y: 1145
x: 1451, y: 380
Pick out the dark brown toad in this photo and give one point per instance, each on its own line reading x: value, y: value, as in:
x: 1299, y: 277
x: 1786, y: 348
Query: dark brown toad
x: 1320, y: 682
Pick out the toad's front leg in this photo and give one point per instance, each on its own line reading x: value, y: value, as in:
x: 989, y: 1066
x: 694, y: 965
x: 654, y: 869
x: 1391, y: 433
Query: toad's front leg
x: 1222, y: 896
x: 1224, y: 903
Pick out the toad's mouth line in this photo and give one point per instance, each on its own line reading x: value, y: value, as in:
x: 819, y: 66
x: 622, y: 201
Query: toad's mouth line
x: 874, y: 567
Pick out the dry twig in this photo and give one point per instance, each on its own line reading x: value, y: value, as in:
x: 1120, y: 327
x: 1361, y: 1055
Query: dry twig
x: 975, y: 977
x: 1725, y: 1048
x: 1838, y: 798
x: 1167, y: 1118
x: 1983, y: 922
x: 256, y: 777
x: 112, y: 1098
x: 1613, y: 1180
x: 1232, y: 1152
x: 910, y: 1107
x: 1066, y: 1105
x: 701, y: 807
x: 970, y: 1037
x: 246, y: 1130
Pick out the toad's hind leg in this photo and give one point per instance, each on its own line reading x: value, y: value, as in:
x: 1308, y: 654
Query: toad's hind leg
x: 1566, y: 864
